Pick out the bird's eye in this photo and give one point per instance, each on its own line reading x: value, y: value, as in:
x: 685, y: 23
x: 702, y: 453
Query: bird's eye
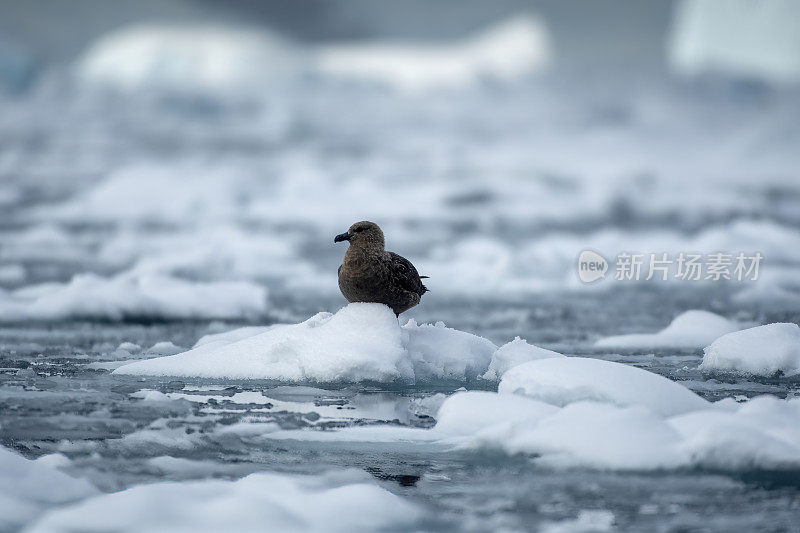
x: 358, y: 230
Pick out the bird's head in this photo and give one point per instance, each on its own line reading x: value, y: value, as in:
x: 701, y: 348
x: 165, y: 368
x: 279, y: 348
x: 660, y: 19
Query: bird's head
x: 364, y: 234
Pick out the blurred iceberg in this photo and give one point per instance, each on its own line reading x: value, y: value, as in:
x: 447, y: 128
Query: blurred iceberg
x: 214, y: 58
x: 504, y: 51
x: 192, y: 58
x: 738, y: 37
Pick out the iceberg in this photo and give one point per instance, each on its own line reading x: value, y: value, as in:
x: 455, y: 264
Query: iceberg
x: 336, y: 501
x: 361, y: 342
x: 762, y: 350
x: 690, y: 329
x: 565, y: 380
x: 193, y: 58
x: 504, y: 51
x: 755, y: 39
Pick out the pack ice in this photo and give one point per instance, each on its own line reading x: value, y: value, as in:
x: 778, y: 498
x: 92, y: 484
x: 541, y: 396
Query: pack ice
x: 361, y: 342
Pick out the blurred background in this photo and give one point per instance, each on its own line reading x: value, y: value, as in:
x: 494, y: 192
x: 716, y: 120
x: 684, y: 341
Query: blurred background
x: 190, y: 159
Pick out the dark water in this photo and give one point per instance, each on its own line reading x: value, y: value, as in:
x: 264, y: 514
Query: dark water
x: 50, y: 402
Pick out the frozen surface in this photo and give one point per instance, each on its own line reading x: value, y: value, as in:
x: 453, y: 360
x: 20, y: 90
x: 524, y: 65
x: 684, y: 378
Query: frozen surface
x: 341, y: 501
x: 762, y: 350
x: 361, y: 342
x: 29, y: 487
x: 691, y: 329
x: 561, y: 381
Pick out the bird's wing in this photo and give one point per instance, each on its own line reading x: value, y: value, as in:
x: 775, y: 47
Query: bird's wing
x: 405, y: 274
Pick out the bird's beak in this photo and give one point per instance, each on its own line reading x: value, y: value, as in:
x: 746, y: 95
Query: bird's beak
x: 342, y: 237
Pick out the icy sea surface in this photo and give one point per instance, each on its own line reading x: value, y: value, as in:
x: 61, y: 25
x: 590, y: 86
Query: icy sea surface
x: 130, y: 221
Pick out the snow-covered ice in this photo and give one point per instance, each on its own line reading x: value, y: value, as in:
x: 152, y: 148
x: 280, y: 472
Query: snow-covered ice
x: 690, y: 329
x: 564, y: 380
x: 762, y: 350
x: 515, y: 353
x: 760, y: 434
x: 341, y: 501
x: 29, y: 487
x: 361, y: 342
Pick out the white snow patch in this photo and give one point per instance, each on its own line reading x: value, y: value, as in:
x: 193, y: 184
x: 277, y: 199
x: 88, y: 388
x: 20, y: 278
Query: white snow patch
x: 515, y: 353
x: 123, y: 296
x: 564, y: 380
x: 762, y: 350
x: 338, y: 501
x: 164, y: 348
x: 29, y: 487
x: 361, y: 342
x: 690, y: 329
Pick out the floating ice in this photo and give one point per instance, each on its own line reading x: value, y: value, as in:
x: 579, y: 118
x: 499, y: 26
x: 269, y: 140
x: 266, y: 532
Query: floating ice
x: 760, y: 434
x: 513, y: 354
x: 758, y: 39
x: 505, y: 51
x: 361, y: 342
x: 189, y: 58
x: 29, y: 487
x: 762, y: 350
x: 564, y: 380
x: 337, y: 501
x: 122, y: 296
x: 690, y: 329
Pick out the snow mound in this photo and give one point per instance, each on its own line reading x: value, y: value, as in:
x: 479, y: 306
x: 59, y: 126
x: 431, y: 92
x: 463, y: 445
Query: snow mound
x: 515, y: 353
x: 565, y: 380
x: 690, y: 329
x: 361, y: 342
x: 342, y: 501
x: 505, y: 51
x: 123, y: 296
x: 745, y: 38
x: 195, y: 58
x: 28, y: 487
x: 762, y: 350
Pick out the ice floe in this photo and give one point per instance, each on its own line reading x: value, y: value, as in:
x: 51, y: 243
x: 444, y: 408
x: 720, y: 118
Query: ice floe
x: 759, y: 434
x: 342, y: 501
x: 29, y: 487
x: 361, y: 342
x: 515, y: 353
x: 690, y: 329
x: 564, y: 380
x: 762, y: 350
x: 121, y: 297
